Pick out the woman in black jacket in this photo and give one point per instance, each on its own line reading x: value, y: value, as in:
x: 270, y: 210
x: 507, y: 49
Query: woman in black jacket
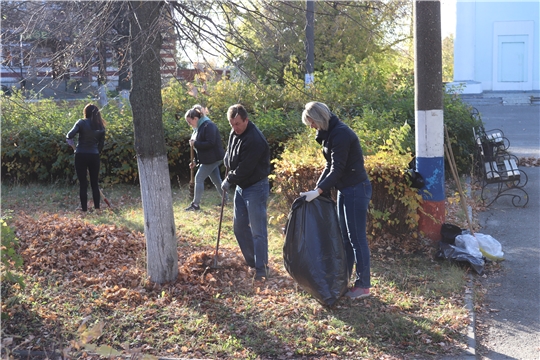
x: 91, y: 132
x: 206, y: 141
x: 345, y: 171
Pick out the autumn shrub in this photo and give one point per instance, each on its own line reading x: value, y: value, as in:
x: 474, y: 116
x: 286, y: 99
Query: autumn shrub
x: 297, y: 168
x: 394, y: 205
x: 380, y: 83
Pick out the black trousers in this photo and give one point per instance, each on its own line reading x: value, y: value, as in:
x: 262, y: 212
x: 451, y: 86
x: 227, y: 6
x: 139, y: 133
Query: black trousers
x: 90, y: 162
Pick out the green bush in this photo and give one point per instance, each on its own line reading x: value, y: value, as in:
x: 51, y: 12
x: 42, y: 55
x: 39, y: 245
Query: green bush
x: 372, y: 96
x: 34, y: 147
x: 460, y: 123
x: 11, y: 260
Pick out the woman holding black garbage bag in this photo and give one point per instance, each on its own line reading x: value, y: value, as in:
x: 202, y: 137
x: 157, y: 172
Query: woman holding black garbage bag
x: 345, y: 171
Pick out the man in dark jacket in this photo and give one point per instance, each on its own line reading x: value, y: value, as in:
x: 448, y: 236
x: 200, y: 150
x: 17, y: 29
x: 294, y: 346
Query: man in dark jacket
x: 248, y: 160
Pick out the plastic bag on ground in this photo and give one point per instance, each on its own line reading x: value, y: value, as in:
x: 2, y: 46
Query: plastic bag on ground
x: 489, y: 247
x: 451, y: 252
x: 313, y: 253
x: 470, y: 244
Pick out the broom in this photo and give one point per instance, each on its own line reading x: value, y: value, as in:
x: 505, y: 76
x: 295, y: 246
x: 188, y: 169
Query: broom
x: 453, y: 168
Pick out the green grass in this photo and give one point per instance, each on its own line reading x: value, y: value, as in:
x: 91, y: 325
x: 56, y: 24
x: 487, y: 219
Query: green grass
x: 127, y: 211
x: 416, y: 309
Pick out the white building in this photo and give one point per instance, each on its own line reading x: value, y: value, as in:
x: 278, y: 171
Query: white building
x: 496, y: 46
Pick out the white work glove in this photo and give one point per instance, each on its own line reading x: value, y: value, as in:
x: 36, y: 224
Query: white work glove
x: 225, y: 185
x: 70, y: 142
x: 310, y: 195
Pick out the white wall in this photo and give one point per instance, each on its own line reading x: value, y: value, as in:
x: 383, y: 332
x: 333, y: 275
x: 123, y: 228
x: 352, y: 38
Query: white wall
x: 480, y: 26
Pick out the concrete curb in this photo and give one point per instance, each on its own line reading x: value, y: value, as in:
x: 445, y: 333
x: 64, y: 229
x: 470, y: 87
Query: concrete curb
x: 471, y: 328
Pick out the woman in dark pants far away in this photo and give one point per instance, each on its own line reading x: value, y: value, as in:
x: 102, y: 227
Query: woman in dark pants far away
x: 91, y: 132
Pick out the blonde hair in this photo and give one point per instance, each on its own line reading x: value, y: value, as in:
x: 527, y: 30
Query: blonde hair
x: 318, y: 112
x: 204, y: 110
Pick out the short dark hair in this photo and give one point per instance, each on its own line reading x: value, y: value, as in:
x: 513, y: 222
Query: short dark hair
x: 236, y: 110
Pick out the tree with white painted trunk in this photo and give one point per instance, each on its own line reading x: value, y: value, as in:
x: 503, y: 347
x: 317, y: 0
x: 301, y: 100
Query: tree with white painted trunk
x: 146, y: 104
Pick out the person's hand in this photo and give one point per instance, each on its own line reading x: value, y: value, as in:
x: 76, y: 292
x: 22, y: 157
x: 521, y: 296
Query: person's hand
x: 191, y: 143
x: 225, y: 185
x: 70, y: 142
x: 192, y: 164
x: 310, y: 195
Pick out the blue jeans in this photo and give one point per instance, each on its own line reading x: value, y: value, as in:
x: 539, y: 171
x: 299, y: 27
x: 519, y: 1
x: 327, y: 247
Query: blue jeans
x: 352, y: 206
x: 206, y: 170
x: 250, y: 224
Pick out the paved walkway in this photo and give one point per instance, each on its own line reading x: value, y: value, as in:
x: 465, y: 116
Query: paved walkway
x: 511, y: 327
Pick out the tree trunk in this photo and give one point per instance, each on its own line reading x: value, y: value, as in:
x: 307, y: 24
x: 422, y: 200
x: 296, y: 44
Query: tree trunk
x: 146, y: 104
x: 102, y: 74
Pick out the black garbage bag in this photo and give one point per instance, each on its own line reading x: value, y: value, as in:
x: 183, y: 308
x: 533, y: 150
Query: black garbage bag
x: 449, y: 233
x: 416, y: 179
x: 314, y: 253
x: 454, y: 253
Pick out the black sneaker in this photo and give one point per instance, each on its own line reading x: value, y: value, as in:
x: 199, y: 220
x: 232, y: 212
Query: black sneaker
x: 193, y: 207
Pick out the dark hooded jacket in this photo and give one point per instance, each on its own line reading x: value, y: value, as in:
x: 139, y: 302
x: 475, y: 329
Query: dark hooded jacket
x: 343, y: 154
x: 208, y: 143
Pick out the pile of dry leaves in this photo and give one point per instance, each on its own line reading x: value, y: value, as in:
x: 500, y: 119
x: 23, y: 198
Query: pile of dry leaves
x: 105, y: 265
x: 529, y: 161
x: 111, y: 261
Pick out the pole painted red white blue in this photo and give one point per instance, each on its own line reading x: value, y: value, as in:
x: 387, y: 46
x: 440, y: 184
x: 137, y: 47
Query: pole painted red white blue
x: 429, y: 116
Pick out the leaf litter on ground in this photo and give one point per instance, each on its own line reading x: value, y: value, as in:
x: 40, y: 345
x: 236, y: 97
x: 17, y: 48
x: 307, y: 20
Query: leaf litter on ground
x: 78, y: 271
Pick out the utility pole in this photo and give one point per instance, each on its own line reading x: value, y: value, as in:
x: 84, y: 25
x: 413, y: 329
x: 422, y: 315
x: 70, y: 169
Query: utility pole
x: 429, y: 115
x: 310, y: 41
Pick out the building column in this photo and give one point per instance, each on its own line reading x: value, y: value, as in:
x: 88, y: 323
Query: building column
x: 464, y: 48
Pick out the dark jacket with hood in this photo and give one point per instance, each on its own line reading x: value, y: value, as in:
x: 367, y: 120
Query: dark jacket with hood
x: 91, y: 140
x: 247, y: 157
x: 208, y: 143
x: 343, y: 154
